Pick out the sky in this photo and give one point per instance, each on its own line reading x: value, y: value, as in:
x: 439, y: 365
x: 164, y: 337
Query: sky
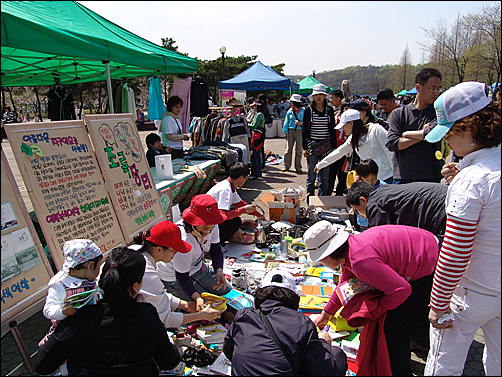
x: 305, y: 36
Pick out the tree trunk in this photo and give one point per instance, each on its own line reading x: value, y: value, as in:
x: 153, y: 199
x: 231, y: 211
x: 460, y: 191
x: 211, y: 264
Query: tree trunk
x: 3, y: 99
x: 39, y: 105
x: 12, y: 100
x: 81, y: 103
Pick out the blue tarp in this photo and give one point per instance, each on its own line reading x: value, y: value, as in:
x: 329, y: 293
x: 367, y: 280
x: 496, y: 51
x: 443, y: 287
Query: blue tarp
x: 258, y: 77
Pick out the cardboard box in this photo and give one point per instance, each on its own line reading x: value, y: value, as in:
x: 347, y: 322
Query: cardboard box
x: 331, y: 202
x: 280, y: 211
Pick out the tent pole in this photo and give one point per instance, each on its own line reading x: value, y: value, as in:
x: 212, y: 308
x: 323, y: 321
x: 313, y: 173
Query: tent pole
x: 109, y: 85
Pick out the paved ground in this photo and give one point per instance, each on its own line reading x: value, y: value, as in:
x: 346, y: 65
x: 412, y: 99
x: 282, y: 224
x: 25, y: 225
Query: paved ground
x: 33, y: 329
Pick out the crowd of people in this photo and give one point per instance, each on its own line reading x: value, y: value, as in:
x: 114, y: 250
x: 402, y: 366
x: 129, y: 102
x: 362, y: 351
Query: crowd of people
x: 428, y: 254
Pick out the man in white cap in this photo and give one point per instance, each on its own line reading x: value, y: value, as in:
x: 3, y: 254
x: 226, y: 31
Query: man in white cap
x: 398, y: 260
x: 293, y: 123
x: 296, y: 348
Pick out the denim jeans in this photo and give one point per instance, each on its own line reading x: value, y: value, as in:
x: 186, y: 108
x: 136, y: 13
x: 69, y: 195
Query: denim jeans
x: 312, y: 160
x: 256, y: 162
x: 204, y: 280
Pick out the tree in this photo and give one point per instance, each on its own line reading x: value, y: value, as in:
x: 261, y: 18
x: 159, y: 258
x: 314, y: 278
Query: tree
x: 487, y: 24
x: 404, y: 72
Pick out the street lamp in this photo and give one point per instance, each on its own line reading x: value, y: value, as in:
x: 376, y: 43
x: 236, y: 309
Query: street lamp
x: 223, y: 49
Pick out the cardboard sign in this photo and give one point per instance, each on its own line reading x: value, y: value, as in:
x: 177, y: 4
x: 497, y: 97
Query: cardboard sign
x: 126, y: 171
x: 65, y: 184
x: 25, y: 268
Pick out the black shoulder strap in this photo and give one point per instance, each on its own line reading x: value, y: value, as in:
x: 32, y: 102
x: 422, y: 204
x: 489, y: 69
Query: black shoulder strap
x: 278, y: 342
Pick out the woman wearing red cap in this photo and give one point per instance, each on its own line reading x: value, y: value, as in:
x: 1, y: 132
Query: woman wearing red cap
x: 187, y: 276
x: 160, y: 244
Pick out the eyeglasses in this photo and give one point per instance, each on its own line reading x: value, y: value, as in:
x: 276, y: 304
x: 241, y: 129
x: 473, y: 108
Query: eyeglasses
x: 433, y: 88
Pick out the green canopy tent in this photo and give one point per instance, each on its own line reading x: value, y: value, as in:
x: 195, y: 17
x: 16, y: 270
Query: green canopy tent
x: 306, y: 85
x: 44, y: 40
x: 402, y: 93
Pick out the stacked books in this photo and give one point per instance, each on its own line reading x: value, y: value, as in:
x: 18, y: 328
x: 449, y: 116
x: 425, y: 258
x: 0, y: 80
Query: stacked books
x: 312, y: 304
x: 212, y: 334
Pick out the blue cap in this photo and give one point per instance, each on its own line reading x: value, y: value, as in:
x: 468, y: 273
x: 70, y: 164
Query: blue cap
x: 456, y: 103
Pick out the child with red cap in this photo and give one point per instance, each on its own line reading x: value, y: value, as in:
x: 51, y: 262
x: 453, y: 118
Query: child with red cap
x: 160, y: 244
x: 187, y: 275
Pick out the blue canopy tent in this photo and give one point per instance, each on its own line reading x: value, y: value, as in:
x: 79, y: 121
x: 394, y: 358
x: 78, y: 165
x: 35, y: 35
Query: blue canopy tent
x: 412, y: 91
x: 258, y: 77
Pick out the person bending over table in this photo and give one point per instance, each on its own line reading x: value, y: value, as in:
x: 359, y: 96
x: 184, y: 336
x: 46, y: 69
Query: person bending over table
x: 159, y: 244
x: 397, y: 262
x: 225, y: 193
x: 187, y: 275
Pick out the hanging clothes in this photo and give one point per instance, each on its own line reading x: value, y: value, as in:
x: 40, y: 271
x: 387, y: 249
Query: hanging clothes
x: 125, y: 99
x: 156, y: 107
x: 131, y: 100
x: 60, y: 104
x: 181, y: 88
x: 199, y: 95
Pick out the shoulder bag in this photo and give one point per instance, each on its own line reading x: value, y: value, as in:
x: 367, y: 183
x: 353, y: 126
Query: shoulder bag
x: 320, y: 147
x: 278, y: 342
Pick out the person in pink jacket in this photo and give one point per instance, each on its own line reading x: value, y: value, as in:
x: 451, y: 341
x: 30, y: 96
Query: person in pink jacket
x: 397, y: 260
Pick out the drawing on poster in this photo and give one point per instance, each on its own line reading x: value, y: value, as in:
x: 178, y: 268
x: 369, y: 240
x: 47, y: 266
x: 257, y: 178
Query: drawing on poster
x: 122, y: 136
x: 19, y: 253
x: 9, y: 219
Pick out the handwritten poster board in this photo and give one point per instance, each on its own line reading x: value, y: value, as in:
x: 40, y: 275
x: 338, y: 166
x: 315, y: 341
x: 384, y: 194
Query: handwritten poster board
x: 65, y: 184
x: 126, y: 171
x: 25, y: 268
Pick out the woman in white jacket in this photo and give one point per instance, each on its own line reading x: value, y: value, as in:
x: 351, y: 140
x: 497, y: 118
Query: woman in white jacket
x: 367, y: 140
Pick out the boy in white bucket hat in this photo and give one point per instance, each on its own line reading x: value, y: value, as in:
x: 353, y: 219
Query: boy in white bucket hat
x: 398, y: 260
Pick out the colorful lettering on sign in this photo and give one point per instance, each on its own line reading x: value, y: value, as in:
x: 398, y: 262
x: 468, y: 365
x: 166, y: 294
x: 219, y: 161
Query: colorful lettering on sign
x: 123, y: 163
x: 143, y: 219
x: 111, y: 156
x: 36, y: 138
x: 95, y: 204
x: 60, y: 141
x: 79, y: 148
x: 135, y: 174
x: 59, y: 216
x: 17, y: 287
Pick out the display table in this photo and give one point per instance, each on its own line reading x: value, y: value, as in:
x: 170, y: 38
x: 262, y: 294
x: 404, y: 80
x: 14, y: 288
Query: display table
x: 185, y: 184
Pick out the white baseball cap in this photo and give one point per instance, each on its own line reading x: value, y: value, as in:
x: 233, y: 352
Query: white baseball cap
x: 456, y: 103
x: 323, y: 238
x: 279, y: 278
x: 347, y: 116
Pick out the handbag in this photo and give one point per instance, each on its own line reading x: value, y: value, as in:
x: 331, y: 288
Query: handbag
x: 278, y: 342
x: 320, y: 147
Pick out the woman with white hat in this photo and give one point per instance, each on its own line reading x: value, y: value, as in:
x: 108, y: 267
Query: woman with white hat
x: 297, y: 348
x: 293, y: 122
x: 467, y: 277
x: 398, y: 261
x: 318, y: 137
x: 367, y: 140
x: 187, y: 275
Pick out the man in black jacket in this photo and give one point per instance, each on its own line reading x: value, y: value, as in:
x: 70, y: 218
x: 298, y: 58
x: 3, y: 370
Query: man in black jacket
x: 419, y: 204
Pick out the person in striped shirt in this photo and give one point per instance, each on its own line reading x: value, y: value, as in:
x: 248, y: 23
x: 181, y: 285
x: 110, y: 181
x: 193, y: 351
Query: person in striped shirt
x: 318, y: 129
x: 467, y: 278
